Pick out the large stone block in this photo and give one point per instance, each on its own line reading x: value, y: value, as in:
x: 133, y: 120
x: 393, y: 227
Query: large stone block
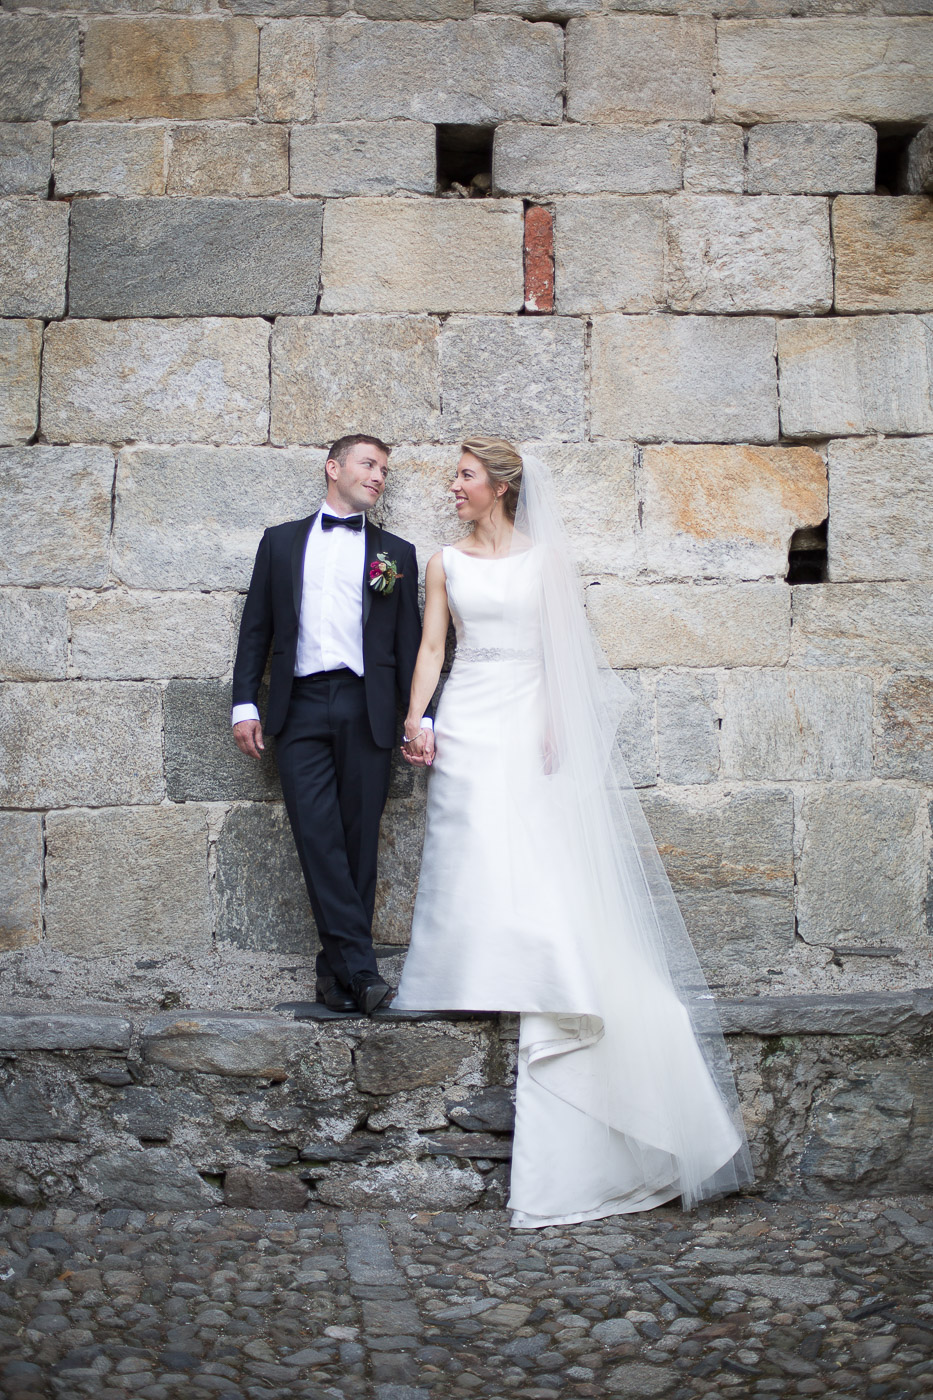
x: 884, y: 253
x: 905, y: 729
x: 411, y: 1057
x: 595, y: 487
x: 682, y: 625
x: 880, y: 494
x: 127, y: 878
x: 714, y: 158
x: 232, y: 1044
x: 730, y: 254
x: 851, y: 375
x: 39, y: 63
x: 146, y: 1179
x: 812, y: 158
x: 192, y: 517
x: 428, y: 10
x: 401, y: 838
x: 260, y: 893
x: 73, y: 743
x: 25, y: 157
x: 641, y: 68
x: 409, y: 1186
x: 691, y: 378
x: 417, y: 504
x: 20, y: 354
x: 20, y: 879
x: 241, y: 158
x: 873, y: 68
x: 726, y: 512
x: 135, y: 636
x: 920, y: 162
x: 165, y: 381
x: 169, y: 66
x: 863, y: 624
x: 363, y: 158
x: 688, y: 726
x: 578, y: 159
x: 609, y: 254
x: 33, y: 634
x: 202, y: 762
x: 33, y: 257
x: 422, y: 255
x: 796, y: 725
x: 109, y: 158
x: 64, y: 493
x: 194, y: 257
x: 515, y: 377
x: 329, y: 372
x: 636, y: 734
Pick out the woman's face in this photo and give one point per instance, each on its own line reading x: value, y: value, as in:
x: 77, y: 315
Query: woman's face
x: 474, y: 494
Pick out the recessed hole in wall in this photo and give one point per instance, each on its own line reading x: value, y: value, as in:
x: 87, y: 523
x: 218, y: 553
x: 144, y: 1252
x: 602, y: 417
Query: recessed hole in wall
x: 464, y: 161
x: 807, y: 557
x: 891, y: 165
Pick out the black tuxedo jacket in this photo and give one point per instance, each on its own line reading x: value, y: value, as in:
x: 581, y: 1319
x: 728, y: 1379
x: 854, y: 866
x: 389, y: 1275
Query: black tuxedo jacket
x: 391, y: 626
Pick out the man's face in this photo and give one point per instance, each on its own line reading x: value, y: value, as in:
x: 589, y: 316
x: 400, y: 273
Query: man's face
x: 358, y: 483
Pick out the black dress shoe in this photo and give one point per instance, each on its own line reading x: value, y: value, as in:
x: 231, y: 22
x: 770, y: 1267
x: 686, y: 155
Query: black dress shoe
x: 370, y: 994
x: 333, y: 996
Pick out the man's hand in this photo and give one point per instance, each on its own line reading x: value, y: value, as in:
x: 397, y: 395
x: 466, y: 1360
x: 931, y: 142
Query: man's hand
x: 248, y: 736
x: 419, y: 751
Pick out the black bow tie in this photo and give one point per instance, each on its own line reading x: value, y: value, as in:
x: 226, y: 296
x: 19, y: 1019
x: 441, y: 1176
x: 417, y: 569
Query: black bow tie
x: 349, y: 522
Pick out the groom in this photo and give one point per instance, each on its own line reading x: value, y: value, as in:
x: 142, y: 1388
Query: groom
x: 337, y: 598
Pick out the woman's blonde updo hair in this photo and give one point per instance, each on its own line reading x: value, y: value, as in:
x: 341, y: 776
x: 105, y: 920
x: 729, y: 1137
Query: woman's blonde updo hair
x: 503, y: 466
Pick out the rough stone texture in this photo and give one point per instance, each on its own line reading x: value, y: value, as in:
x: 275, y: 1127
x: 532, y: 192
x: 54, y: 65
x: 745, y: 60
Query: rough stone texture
x: 166, y: 381
x: 515, y: 378
x: 726, y: 512
x: 609, y: 254
x: 135, y: 636
x: 850, y: 375
x: 411, y: 1185
x: 801, y: 725
x: 682, y: 625
x: 904, y: 746
x: 228, y: 158
x: 156, y: 66
x: 25, y: 157
x: 863, y: 624
x: 635, y: 735
x: 328, y: 372
x: 731, y: 254
x: 39, y: 62
x: 576, y: 159
x: 691, y: 378
x: 714, y: 159
x: 430, y: 10
x: 33, y: 257
x: 146, y: 1178
x: 401, y: 838
x: 127, y: 878
x: 875, y: 831
x: 194, y: 257
x: 855, y: 1139
x: 254, y: 1047
x: 403, y: 1059
x: 417, y: 504
x: 884, y: 253
x: 688, y: 726
x: 202, y: 762
x: 920, y: 162
x: 20, y: 353
x: 65, y: 1030
x: 263, y: 1190
x: 26, y: 1117
x: 419, y: 255
x: 109, y: 158
x: 33, y: 634
x: 363, y: 158
x: 20, y: 880
x: 595, y: 488
x: 852, y: 1013
x: 642, y: 68
x: 260, y: 892
x: 812, y: 158
x: 69, y: 743
x: 880, y: 493
x: 64, y: 493
x: 539, y: 260
x: 873, y: 69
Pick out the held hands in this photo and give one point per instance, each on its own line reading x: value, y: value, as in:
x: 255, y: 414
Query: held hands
x: 418, y: 746
x: 248, y: 736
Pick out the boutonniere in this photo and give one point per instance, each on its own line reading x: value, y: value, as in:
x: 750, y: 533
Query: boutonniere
x: 383, y: 572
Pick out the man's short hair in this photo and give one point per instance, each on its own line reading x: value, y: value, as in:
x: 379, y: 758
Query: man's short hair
x: 340, y: 449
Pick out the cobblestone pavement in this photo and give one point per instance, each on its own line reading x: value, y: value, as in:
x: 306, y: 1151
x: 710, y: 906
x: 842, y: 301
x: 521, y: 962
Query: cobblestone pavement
x: 745, y: 1298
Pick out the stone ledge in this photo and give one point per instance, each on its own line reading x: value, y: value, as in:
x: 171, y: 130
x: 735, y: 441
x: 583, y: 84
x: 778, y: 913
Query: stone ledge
x: 851, y: 1013
x: 68, y: 1031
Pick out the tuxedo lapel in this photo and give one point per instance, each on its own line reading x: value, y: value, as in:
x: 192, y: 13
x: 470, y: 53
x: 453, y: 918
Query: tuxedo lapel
x: 373, y: 546
x: 298, y: 559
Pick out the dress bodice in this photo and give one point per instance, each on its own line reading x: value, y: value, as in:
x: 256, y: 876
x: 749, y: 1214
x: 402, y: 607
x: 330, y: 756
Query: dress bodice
x: 494, y: 603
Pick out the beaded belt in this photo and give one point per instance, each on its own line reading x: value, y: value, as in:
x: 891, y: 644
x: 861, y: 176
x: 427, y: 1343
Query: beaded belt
x: 494, y: 654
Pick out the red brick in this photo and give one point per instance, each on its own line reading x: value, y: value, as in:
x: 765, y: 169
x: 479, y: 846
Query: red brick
x: 539, y: 260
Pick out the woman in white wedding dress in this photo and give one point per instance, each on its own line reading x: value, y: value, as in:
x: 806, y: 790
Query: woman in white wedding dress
x: 541, y: 889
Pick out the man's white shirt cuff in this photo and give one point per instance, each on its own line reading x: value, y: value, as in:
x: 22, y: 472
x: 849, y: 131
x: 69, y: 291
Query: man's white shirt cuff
x: 427, y: 722
x: 241, y: 712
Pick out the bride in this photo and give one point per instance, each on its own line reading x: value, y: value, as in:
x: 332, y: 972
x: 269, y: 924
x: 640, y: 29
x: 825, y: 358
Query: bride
x: 541, y: 890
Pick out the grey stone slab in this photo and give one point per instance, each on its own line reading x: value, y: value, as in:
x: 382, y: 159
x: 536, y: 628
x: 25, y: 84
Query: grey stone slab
x: 581, y: 159
x: 393, y: 1060
x: 880, y: 492
x: 236, y: 1043
x: 33, y: 257
x: 639, y: 68
x: 678, y: 624
x: 369, y: 1255
x: 904, y: 745
x: 260, y: 893
x: 794, y: 724
x: 194, y: 257
x: 636, y: 733
x: 150, y: 1178
x: 124, y: 635
x: 21, y: 859
x: 63, y: 1030
x: 489, y: 1110
x: 33, y: 634
x: 232, y: 158
x: 202, y: 762
x: 250, y: 1189
x: 714, y: 158
x: 863, y: 624
x: 39, y: 63
x: 883, y: 252
x: 391, y: 1318
x: 64, y: 492
x: 20, y: 355
x: 609, y: 254
x: 595, y: 488
x: 812, y: 158
x: 920, y: 162
x: 827, y: 1013
x: 688, y: 726
x: 110, y: 158
x: 24, y: 1118
x: 363, y: 158
x: 25, y: 157
x: 435, y: 1185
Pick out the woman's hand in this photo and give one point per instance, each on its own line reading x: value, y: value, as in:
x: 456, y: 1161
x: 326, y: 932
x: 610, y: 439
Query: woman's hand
x: 418, y: 748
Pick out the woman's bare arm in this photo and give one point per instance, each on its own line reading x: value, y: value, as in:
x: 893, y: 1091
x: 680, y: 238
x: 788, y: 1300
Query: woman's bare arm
x: 420, y: 746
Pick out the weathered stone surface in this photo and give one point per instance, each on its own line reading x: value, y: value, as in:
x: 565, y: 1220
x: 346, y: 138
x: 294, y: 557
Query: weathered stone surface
x: 202, y: 763
x: 248, y: 1189
x: 435, y: 1185
x: 874, y: 69
x: 609, y: 254
x: 109, y: 158
x: 515, y: 377
x: 26, y: 1118
x: 559, y: 10
x: 595, y: 487
x: 874, y: 1129
x: 726, y: 512
x: 879, y: 495
x: 194, y: 257
x: 490, y: 1110
x: 25, y: 157
x: 134, y: 636
x: 127, y: 878
x: 636, y: 734
x: 64, y: 493
x: 20, y: 887
x: 675, y: 624
x: 884, y: 253
x: 429, y: 10
x: 401, y: 838
x: 161, y: 66
x: 578, y: 159
x: 799, y: 725
x: 421, y: 255
x: 192, y: 517
x: 33, y: 634
x: 905, y: 719
x: 410, y: 1058
x: 641, y: 68
x: 692, y: 378
x: 811, y: 158
x: 153, y: 1178
x: 68, y: 743
x: 863, y: 624
x: 834, y: 1013
x: 331, y: 371
x: 850, y: 375
x: 731, y: 254
x: 688, y: 726
x: 920, y: 162
x: 33, y: 257
x: 165, y: 381
x: 39, y: 62
x: 363, y: 158
x: 255, y: 1047
x: 62, y: 1030
x: 260, y: 892
x: 20, y: 354
x: 714, y: 159
x: 877, y: 832
x: 241, y: 158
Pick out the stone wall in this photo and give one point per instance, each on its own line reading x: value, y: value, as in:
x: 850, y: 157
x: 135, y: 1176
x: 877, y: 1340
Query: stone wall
x: 222, y: 243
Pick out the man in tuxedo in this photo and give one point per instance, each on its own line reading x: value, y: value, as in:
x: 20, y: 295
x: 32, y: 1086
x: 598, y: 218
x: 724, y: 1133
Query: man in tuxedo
x: 342, y: 649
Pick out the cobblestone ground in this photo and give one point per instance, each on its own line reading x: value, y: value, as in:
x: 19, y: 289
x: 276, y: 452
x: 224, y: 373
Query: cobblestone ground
x: 740, y: 1299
